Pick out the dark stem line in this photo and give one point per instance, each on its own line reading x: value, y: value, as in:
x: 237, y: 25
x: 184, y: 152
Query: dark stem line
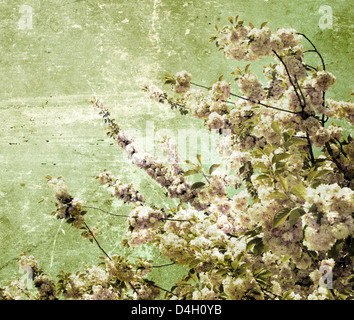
x: 247, y: 99
x: 334, y: 159
x: 164, y: 265
x: 289, y: 76
x: 156, y: 286
x: 126, y: 216
x: 301, y: 93
x: 323, y: 121
x: 262, y: 104
x: 311, y: 67
x: 330, y: 151
x: 131, y: 285
x: 314, y: 49
x: 110, y: 213
x: 310, y: 146
x: 231, y: 235
x: 171, y: 219
x: 94, y: 238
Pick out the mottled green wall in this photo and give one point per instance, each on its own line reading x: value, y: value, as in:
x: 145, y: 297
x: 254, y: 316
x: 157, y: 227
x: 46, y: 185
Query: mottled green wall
x: 72, y: 50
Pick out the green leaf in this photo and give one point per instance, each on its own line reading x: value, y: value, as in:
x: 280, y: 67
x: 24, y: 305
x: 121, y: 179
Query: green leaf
x: 221, y: 272
x: 252, y: 243
x: 280, y: 156
x: 313, y: 208
x: 264, y: 24
x: 247, y: 68
x: 258, y: 249
x: 212, y: 38
x: 214, y: 167
x: 199, y: 158
x: 295, y: 214
x: 283, y: 183
x: 268, y: 149
x: 278, y: 195
x: 198, y: 169
x: 286, y: 136
x: 317, y: 174
x: 291, y: 132
x: 259, y: 165
x: 193, y: 275
x: 170, y: 81
x: 280, y: 217
x: 217, y: 27
x: 276, y: 127
x: 237, y: 260
x: 231, y: 19
x: 262, y: 177
x: 279, y: 171
x: 197, y: 185
x: 286, y: 295
x: 335, y: 250
x: 190, y: 172
x: 70, y: 220
x: 299, y: 190
x: 298, y: 141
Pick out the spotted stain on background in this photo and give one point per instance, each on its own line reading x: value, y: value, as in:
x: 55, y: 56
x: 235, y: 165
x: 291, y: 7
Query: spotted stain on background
x: 56, y: 55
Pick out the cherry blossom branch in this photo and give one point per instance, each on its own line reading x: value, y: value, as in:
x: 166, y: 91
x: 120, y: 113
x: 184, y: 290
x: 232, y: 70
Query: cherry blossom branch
x: 110, y: 213
x: 164, y: 265
x: 310, y: 146
x: 134, y: 289
x: 301, y: 93
x: 330, y: 151
x: 94, y: 238
x: 314, y: 49
x: 262, y: 104
x: 250, y: 100
x: 126, y: 215
x: 158, y: 287
x: 328, y: 147
x: 289, y: 76
x: 323, y: 121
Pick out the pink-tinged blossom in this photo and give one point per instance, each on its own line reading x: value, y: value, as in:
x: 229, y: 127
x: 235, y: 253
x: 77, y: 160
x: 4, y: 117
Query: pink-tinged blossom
x: 183, y: 82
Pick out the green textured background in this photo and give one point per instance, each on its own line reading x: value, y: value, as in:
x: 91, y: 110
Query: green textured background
x: 77, y: 49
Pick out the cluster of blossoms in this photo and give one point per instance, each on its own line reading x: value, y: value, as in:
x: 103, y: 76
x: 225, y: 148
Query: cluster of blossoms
x: 183, y: 82
x: 44, y: 287
x: 341, y: 109
x: 270, y: 224
x: 120, y: 190
x: 143, y: 224
x: 116, y: 278
x: 70, y: 208
x: 241, y: 42
x: 330, y: 218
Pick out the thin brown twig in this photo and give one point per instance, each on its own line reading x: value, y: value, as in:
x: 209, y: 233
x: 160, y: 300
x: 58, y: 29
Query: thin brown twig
x: 126, y: 216
x: 312, y: 158
x: 110, y: 213
x: 289, y: 76
x: 164, y: 265
x: 94, y: 238
x: 247, y: 99
x: 314, y: 49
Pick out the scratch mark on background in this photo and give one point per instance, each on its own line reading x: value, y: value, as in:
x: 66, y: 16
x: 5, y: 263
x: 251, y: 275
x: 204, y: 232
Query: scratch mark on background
x: 54, y: 242
x: 155, y: 35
